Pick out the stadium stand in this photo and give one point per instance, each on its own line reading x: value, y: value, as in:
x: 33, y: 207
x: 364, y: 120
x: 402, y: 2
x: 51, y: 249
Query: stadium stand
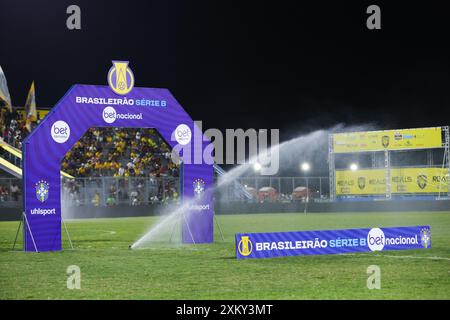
x: 124, y: 157
x: 120, y: 153
x: 100, y: 152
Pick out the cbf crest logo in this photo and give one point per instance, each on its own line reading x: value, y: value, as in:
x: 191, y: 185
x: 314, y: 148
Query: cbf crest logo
x: 120, y: 78
x: 199, y: 186
x: 425, y: 237
x: 245, y: 246
x: 42, y: 189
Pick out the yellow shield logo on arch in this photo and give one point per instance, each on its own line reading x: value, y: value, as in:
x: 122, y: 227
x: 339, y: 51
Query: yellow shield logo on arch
x: 120, y: 78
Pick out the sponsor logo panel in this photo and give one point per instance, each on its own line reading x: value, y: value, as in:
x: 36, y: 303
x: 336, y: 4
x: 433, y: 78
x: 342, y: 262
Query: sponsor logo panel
x: 60, y: 131
x: 281, y: 244
x: 183, y: 134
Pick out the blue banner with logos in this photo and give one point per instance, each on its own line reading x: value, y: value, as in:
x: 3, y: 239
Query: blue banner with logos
x: 285, y: 244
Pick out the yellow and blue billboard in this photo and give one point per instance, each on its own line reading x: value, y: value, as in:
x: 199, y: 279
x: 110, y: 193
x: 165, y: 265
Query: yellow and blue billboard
x: 403, y: 181
x: 41, y: 113
x: 402, y: 139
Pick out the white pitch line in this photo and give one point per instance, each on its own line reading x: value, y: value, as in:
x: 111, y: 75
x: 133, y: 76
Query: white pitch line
x: 399, y: 257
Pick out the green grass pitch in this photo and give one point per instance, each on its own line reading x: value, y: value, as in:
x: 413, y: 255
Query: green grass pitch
x: 109, y: 270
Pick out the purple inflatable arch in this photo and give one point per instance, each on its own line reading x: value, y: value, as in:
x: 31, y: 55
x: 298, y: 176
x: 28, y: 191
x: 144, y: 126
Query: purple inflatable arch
x: 87, y: 106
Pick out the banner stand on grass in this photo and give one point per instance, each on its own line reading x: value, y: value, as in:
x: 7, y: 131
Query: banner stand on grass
x: 286, y: 244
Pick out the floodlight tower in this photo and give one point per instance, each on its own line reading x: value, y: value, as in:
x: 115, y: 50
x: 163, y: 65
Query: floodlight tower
x: 305, y: 167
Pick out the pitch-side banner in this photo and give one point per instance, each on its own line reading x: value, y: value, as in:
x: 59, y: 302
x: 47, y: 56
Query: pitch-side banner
x: 402, y: 139
x: 285, y: 244
x: 403, y: 181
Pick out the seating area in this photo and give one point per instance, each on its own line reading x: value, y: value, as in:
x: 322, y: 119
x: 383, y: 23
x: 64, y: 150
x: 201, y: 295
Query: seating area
x: 115, y: 152
x: 103, y: 152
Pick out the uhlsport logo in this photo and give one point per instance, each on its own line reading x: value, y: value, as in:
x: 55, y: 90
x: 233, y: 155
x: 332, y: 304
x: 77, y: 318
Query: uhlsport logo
x: 43, y: 212
x: 42, y: 190
x: 110, y: 115
x: 425, y: 237
x: 199, y: 186
x: 60, y: 131
x: 245, y: 246
x: 120, y: 78
x: 183, y: 134
x: 375, y: 239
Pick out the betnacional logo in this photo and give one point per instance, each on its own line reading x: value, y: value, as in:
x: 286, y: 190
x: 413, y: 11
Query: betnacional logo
x: 60, y: 131
x: 425, y: 237
x: 199, y: 186
x: 110, y: 115
x: 245, y: 246
x: 120, y: 78
x: 183, y: 134
x: 42, y: 190
x: 375, y: 239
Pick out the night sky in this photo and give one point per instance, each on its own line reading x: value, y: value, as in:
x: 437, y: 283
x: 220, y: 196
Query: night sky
x: 291, y: 65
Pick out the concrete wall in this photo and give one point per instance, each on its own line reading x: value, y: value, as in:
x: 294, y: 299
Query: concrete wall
x: 360, y: 206
x: 14, y: 213
x: 10, y: 213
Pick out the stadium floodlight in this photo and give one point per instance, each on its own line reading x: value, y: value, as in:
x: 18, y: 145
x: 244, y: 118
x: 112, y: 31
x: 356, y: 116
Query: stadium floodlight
x: 305, y: 167
x: 354, y: 166
x: 257, y: 166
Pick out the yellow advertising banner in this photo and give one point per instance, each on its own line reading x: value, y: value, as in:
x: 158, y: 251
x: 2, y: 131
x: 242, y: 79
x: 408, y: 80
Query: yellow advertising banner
x: 41, y: 113
x: 403, y: 181
x: 402, y: 139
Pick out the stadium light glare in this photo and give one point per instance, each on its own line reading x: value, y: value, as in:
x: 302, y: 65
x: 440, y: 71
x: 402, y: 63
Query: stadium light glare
x: 257, y: 166
x: 305, y: 167
x: 353, y: 166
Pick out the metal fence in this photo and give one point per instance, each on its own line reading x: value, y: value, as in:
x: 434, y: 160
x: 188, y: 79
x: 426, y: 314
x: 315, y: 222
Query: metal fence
x: 101, y: 191
x: 286, y: 189
x: 110, y: 191
x: 10, y: 192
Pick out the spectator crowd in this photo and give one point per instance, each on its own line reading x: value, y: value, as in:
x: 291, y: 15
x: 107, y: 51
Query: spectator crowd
x: 12, y: 126
x: 119, y: 152
x: 102, y: 152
